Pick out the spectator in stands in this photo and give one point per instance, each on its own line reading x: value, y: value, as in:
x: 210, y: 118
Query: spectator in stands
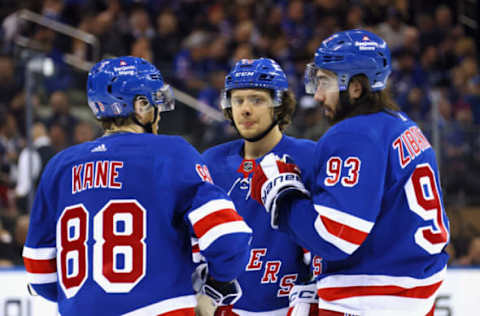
x: 415, y: 103
x: 296, y: 24
x: 472, y: 258
x: 166, y: 41
x: 142, y: 47
x: 10, y: 140
x: 354, y: 19
x: 20, y: 236
x: 218, y: 54
x: 443, y: 20
x: 60, y: 105
x: 472, y: 97
x: 59, y: 136
x: 31, y: 164
x: 242, y: 51
x: 309, y: 121
x: 393, y: 30
x: 403, y: 77
x: 214, y: 132
x: 7, y: 250
x: 8, y: 84
x: 84, y: 132
x: 139, y: 26
x: 217, y: 21
x: 190, y: 62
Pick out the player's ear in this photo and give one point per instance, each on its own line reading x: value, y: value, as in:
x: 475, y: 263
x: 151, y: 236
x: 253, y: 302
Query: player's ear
x: 355, y: 88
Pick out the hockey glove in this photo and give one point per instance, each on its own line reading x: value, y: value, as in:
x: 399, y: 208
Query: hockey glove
x: 272, y: 178
x: 221, y: 293
x: 303, y: 300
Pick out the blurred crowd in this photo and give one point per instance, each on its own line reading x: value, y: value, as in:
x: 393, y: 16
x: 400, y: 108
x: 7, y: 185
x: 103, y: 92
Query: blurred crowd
x: 435, y: 79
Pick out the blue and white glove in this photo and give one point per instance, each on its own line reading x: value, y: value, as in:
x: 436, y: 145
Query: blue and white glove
x: 272, y: 177
x: 303, y: 300
x: 221, y: 293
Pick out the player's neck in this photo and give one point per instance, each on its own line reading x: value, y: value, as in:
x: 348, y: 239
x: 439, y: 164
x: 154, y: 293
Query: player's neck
x: 130, y: 128
x: 254, y: 150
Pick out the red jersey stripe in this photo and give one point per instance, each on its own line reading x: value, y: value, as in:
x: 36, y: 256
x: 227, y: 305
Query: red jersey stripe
x: 195, y: 248
x: 40, y: 266
x: 343, y: 231
x: 214, y: 219
x: 180, y: 312
x: 337, y: 293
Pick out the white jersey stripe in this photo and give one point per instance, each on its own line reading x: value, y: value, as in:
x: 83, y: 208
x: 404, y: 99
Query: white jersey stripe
x: 209, y: 208
x: 220, y: 230
x: 342, y: 280
x: 380, y: 305
x: 42, y: 278
x: 341, y: 244
x: 165, y: 306
x: 345, y: 218
x: 40, y: 253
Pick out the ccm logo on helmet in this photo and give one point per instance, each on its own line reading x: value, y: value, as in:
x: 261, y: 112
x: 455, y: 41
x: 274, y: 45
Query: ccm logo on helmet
x: 244, y: 74
x: 286, y: 177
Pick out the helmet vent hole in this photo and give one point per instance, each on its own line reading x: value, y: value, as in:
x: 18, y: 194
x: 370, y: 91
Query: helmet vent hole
x: 332, y: 58
x: 265, y: 77
x: 109, y: 88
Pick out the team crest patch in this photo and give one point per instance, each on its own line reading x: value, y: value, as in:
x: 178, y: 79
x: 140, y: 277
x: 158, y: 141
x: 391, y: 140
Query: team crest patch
x: 248, y: 166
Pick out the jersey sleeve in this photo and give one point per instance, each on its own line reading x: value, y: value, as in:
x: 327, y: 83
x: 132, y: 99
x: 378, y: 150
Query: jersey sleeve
x: 346, y: 197
x: 39, y: 252
x: 223, y: 236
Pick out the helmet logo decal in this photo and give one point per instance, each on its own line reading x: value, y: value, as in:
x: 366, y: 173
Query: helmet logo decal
x: 93, y: 107
x: 370, y: 45
x: 123, y: 63
x: 117, y: 109
x: 125, y: 70
x: 100, y: 106
x: 244, y: 74
x: 365, y: 38
x: 247, y: 61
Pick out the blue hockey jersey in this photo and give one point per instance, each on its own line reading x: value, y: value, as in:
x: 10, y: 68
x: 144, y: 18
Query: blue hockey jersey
x: 276, y: 261
x: 378, y: 217
x: 112, y: 221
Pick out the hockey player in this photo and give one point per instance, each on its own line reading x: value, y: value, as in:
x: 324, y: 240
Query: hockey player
x: 375, y: 213
x: 112, y: 220
x: 258, y: 103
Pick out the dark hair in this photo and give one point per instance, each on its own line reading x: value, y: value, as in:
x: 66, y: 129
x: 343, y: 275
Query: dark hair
x: 283, y: 113
x: 369, y: 102
x: 107, y: 122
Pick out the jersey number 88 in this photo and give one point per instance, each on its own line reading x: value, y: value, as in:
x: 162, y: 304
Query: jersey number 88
x: 119, y: 250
